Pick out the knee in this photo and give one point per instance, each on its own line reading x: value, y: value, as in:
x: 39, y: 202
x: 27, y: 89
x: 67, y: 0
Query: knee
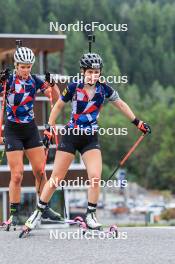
x: 16, y: 177
x: 38, y: 172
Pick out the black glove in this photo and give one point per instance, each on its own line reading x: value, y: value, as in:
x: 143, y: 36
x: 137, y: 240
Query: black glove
x: 144, y: 127
x: 49, y: 80
x: 48, y: 135
x: 4, y: 75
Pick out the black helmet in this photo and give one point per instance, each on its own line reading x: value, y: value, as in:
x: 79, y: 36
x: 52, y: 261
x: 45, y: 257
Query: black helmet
x: 91, y: 61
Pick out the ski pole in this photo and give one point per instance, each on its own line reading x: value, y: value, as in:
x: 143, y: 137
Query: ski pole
x: 2, y: 115
x: 124, y: 159
x: 43, y: 169
x: 45, y: 161
x: 3, y: 107
x: 55, y: 131
x: 56, y: 141
x: 65, y: 210
x: 47, y: 149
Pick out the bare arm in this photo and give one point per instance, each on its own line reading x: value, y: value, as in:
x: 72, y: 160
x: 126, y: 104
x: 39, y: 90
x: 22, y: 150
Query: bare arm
x: 55, y: 111
x: 124, y: 108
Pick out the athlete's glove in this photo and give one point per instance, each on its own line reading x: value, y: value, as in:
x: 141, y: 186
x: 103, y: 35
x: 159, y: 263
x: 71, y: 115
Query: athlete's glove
x: 49, y: 80
x: 144, y: 127
x: 48, y: 135
x: 4, y: 75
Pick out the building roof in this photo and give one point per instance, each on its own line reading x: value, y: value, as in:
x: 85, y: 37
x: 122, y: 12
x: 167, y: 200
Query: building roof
x: 37, y: 42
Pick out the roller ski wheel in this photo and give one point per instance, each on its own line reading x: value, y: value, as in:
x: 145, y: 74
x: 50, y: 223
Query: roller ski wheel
x: 11, y: 223
x: 78, y: 220
x: 3, y: 226
x: 112, y: 230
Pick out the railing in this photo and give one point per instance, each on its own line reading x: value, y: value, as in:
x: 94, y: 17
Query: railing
x: 4, y: 191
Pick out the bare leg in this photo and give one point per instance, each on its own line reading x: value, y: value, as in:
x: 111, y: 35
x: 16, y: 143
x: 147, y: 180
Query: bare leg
x: 36, y: 157
x: 93, y: 162
x: 61, y: 165
x: 15, y: 161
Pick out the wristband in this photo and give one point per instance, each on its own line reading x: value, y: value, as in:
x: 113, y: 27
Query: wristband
x: 135, y: 121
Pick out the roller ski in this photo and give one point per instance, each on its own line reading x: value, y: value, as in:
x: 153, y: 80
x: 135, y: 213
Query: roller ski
x: 35, y: 218
x: 93, y: 227
x: 46, y: 215
x: 12, y: 222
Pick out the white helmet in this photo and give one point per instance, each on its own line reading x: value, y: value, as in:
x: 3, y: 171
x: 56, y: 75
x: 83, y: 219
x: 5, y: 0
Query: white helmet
x: 24, y: 55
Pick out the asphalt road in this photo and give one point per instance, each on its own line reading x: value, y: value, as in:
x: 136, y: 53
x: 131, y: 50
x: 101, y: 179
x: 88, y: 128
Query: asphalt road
x: 67, y: 246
